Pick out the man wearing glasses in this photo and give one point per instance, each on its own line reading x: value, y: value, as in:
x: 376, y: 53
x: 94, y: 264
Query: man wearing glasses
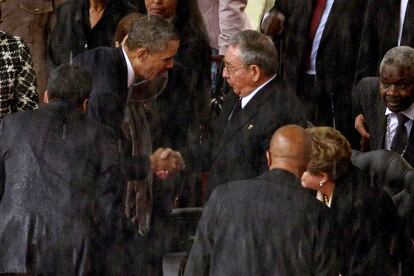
x: 259, y: 105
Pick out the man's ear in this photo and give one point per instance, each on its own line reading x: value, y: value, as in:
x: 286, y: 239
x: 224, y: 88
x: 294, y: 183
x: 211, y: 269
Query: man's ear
x: 141, y: 53
x: 46, y: 97
x: 85, y: 104
x: 268, y: 158
x: 256, y: 72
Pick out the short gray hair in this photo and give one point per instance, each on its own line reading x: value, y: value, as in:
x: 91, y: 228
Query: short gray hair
x: 152, y: 33
x: 258, y: 49
x: 401, y: 57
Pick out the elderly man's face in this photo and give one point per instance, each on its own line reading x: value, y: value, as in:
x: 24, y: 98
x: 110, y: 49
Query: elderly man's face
x: 152, y: 65
x: 237, y: 74
x: 396, y: 87
x: 164, y: 8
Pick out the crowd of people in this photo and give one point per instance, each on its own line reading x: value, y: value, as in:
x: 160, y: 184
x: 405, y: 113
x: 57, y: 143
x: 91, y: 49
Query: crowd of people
x: 107, y: 122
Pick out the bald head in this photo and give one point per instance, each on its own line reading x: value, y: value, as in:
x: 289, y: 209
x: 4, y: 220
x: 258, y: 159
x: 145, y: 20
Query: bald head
x: 290, y: 149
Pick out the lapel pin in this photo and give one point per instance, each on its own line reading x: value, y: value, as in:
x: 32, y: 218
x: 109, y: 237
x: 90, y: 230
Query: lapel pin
x: 250, y: 127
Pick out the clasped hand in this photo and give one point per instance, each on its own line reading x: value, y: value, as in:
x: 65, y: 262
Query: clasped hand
x: 166, y: 162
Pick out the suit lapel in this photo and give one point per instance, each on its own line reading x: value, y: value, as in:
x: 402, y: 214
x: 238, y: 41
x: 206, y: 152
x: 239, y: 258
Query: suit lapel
x: 245, y: 115
x: 335, y: 13
x: 394, y: 13
x: 382, y: 125
x: 407, y: 37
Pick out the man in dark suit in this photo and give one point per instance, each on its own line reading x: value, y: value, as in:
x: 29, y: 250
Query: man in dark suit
x: 320, y: 47
x: 268, y: 225
x: 60, y: 178
x: 388, y: 23
x: 259, y: 105
x: 148, y: 52
x: 386, y: 104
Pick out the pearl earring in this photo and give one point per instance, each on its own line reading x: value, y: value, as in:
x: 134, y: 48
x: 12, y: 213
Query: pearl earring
x: 321, y: 183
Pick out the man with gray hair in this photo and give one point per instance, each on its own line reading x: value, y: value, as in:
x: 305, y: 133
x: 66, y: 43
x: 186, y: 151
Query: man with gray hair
x: 385, y: 119
x: 259, y: 105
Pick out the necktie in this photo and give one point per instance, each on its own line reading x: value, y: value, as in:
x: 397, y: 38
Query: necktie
x: 316, y: 19
x: 399, y: 143
x: 236, y: 109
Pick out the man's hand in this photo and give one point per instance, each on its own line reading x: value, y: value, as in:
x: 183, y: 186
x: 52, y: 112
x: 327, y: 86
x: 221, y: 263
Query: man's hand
x: 165, y: 162
x: 272, y: 24
x: 360, y: 127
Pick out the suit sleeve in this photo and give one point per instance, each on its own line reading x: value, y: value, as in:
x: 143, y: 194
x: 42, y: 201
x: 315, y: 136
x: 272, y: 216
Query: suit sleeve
x: 26, y: 97
x: 199, y: 258
x: 108, y: 184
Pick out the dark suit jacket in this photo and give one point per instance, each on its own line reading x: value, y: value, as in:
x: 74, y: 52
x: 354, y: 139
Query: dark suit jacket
x: 110, y: 85
x: 237, y: 149
x: 372, y: 107
x: 337, y: 53
x: 265, y: 226
x: 368, y: 227
x: 60, y: 178
x: 380, y: 33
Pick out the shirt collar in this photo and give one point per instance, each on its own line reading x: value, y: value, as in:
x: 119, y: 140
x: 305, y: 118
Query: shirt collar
x: 131, y: 73
x: 247, y: 98
x: 409, y: 112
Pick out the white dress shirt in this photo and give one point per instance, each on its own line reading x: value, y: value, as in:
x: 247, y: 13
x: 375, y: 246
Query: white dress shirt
x: 247, y: 98
x: 131, y: 73
x: 392, y: 123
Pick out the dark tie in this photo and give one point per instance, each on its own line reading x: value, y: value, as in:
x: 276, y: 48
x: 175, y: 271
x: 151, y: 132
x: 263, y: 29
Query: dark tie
x: 236, y: 109
x: 399, y: 143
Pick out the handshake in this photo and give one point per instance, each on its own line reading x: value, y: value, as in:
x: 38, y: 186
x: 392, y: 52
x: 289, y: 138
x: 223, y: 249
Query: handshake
x: 165, y: 162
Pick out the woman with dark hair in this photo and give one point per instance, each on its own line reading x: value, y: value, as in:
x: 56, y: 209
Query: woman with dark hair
x: 367, y: 222
x: 82, y: 25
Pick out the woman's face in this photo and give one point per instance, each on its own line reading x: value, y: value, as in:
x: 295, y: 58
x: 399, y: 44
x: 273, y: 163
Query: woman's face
x: 165, y: 8
x: 311, y: 181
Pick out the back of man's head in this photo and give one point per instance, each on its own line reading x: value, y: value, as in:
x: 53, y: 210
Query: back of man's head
x: 290, y: 149
x: 69, y: 83
x: 152, y: 33
x: 257, y: 49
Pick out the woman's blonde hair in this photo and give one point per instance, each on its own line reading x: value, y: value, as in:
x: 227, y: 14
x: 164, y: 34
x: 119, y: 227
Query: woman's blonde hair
x: 331, y: 152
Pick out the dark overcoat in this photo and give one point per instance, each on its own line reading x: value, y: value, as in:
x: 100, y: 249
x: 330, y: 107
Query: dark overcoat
x: 60, y: 178
x: 265, y: 226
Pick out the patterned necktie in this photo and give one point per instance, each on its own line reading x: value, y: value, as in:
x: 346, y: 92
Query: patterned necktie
x: 399, y: 143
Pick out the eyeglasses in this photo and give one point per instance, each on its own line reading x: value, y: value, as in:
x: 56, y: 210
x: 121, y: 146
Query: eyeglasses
x: 232, y: 70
